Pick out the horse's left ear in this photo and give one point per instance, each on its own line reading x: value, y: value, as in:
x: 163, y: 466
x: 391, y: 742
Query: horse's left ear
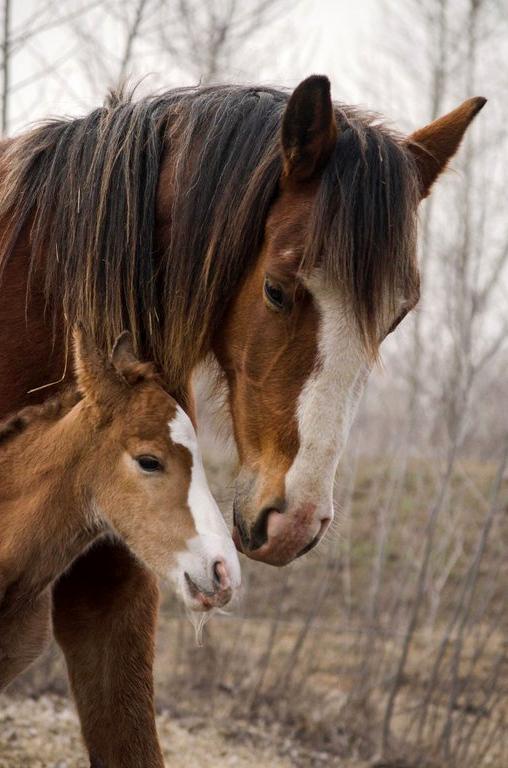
x: 309, y: 129
x: 434, y: 145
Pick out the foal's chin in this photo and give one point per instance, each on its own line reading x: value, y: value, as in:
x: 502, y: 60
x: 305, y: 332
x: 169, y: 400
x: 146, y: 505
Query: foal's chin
x: 199, y: 598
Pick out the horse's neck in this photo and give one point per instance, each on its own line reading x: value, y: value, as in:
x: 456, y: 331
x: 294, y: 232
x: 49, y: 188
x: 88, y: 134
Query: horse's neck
x: 44, y: 515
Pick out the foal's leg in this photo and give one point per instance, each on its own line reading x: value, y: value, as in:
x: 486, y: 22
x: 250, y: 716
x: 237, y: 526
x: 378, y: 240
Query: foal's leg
x: 104, y: 613
x: 24, y: 634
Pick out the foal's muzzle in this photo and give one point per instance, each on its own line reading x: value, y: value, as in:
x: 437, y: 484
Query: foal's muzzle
x: 207, y: 572
x: 216, y: 593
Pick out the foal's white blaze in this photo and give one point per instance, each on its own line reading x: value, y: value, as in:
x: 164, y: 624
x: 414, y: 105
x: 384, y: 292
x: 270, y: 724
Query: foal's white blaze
x: 213, y: 541
x: 206, y: 514
x: 327, y: 403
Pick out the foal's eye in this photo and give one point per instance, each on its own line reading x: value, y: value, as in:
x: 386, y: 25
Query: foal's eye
x: 149, y: 463
x: 274, y: 294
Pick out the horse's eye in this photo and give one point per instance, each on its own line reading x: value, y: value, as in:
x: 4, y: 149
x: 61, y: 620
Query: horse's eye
x: 149, y: 463
x: 274, y: 294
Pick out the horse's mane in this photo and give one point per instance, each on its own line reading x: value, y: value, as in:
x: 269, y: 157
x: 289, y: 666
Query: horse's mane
x: 50, y: 410
x: 85, y: 190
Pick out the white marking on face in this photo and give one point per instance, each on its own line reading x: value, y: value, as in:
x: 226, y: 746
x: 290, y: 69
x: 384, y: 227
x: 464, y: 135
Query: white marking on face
x: 204, y: 509
x: 213, y: 541
x: 215, y: 434
x: 327, y: 402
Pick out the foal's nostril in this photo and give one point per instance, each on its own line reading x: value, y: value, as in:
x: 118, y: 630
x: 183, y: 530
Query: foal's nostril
x: 220, y: 575
x: 216, y: 573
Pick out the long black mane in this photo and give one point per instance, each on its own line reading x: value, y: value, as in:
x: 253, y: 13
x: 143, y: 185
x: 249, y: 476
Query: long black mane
x: 88, y: 191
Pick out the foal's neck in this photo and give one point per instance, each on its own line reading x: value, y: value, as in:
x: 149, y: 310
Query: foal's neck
x: 47, y: 517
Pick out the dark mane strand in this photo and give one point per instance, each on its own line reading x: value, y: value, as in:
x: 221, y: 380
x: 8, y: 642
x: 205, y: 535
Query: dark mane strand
x: 364, y: 226
x: 86, y: 190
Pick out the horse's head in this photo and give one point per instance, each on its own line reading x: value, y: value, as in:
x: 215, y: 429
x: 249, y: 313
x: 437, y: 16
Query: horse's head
x: 146, y: 479
x: 336, y: 272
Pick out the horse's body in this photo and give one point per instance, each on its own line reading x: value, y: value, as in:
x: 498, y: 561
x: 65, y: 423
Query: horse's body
x: 114, y: 457
x: 277, y: 234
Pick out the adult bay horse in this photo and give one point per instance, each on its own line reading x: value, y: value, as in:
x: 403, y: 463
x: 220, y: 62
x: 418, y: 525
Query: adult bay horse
x: 114, y: 455
x: 274, y: 232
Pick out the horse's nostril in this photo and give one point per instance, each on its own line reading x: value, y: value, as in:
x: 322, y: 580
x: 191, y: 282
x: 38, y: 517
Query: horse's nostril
x: 254, y: 537
x: 308, y: 547
x: 322, y: 529
x: 259, y: 531
x: 240, y: 526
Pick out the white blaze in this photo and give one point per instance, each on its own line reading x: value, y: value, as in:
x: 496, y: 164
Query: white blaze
x: 213, y: 541
x: 204, y: 509
x: 327, y: 402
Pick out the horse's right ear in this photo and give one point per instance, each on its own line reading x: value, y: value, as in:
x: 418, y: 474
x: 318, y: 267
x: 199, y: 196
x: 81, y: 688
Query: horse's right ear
x: 434, y: 145
x: 309, y: 129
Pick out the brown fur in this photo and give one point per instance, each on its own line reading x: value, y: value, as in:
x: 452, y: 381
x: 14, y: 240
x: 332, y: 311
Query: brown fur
x: 64, y: 481
x: 132, y: 178
x: 434, y: 145
x: 175, y: 209
x: 105, y: 608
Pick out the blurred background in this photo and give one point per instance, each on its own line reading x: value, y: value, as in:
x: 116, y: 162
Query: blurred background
x: 388, y: 645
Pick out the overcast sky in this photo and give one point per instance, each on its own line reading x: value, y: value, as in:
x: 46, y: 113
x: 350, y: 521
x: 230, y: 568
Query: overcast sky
x: 342, y: 39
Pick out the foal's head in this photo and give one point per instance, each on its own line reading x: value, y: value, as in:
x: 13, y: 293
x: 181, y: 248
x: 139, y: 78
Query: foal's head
x: 144, y: 476
x: 336, y: 273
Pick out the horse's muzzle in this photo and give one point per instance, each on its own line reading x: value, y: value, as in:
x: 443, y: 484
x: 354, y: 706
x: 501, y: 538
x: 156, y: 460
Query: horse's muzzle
x: 278, y: 537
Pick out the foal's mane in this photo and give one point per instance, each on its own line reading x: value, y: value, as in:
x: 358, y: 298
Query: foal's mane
x: 57, y: 407
x: 50, y: 410
x: 85, y: 189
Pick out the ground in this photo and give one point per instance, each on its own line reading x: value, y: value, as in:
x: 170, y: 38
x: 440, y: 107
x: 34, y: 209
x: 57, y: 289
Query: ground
x: 44, y: 733
x: 297, y: 673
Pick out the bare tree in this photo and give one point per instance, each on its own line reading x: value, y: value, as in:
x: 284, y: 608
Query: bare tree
x: 6, y: 52
x: 206, y: 37
x: 389, y: 641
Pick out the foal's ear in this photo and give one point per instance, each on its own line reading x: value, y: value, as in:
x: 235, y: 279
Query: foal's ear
x: 126, y: 363
x: 123, y: 358
x: 434, y: 145
x: 90, y: 365
x: 309, y: 129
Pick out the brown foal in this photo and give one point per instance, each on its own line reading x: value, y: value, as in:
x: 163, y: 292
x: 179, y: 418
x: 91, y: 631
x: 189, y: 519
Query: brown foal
x: 114, y: 457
